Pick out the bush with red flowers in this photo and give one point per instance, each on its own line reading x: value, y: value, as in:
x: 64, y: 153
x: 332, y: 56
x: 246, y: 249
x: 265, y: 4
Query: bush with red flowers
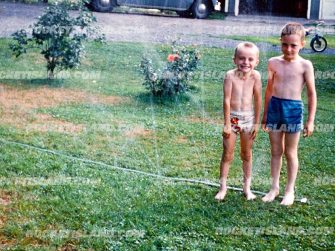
x: 174, y: 78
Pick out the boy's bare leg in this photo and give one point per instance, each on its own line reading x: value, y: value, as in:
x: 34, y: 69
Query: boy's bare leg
x: 291, y: 154
x: 246, y: 156
x: 277, y: 150
x: 226, y: 159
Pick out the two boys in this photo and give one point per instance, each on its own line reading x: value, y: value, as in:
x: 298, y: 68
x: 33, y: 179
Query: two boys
x: 283, y: 110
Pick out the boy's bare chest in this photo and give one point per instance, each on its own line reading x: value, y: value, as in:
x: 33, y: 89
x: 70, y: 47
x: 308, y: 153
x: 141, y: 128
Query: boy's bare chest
x: 242, y: 88
x: 289, y: 71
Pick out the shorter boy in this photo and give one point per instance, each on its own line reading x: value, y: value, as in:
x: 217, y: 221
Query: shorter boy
x: 241, y: 108
x: 288, y: 74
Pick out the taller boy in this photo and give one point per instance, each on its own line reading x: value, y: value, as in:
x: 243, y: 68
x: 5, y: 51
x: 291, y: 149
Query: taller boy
x: 283, y: 108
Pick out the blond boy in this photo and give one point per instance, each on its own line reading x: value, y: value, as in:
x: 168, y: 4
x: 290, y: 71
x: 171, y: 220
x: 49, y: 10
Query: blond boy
x: 288, y: 74
x: 242, y: 107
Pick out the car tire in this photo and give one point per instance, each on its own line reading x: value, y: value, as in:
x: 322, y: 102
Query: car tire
x: 184, y: 13
x: 102, y: 5
x: 201, y: 9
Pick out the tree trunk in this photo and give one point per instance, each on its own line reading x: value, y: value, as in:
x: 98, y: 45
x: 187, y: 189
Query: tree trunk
x: 51, y: 65
x: 51, y: 74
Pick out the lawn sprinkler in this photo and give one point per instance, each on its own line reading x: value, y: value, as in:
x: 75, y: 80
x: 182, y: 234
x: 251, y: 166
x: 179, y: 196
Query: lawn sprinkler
x: 303, y: 200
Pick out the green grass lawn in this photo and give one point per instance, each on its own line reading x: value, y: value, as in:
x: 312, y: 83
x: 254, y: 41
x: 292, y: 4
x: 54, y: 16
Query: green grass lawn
x: 274, y: 40
x: 86, y: 206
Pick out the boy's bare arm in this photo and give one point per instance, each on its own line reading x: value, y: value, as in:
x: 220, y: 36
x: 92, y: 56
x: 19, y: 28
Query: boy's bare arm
x: 258, y: 98
x: 257, y: 102
x: 312, y: 99
x: 268, y: 94
x: 227, y: 89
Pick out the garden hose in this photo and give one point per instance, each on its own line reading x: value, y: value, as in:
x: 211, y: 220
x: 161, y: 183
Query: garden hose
x: 174, y: 179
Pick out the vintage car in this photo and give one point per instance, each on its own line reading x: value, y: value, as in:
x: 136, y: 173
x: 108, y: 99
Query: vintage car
x: 184, y: 8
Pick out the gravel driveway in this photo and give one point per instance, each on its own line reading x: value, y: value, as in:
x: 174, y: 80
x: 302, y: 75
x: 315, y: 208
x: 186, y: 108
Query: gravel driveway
x: 160, y: 29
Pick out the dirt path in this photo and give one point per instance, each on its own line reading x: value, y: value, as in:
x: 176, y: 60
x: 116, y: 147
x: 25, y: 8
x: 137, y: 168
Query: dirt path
x: 160, y: 29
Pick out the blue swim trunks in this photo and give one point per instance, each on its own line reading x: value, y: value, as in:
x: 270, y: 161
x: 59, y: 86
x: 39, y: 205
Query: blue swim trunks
x: 285, y: 115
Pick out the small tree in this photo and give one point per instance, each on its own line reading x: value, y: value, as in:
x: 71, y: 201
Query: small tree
x: 174, y: 78
x: 59, y: 36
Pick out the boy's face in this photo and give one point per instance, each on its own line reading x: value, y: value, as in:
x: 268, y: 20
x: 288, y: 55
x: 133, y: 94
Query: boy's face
x: 246, y: 59
x: 291, y: 45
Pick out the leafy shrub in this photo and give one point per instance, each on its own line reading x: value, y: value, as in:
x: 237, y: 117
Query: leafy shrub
x: 59, y: 36
x: 175, y: 76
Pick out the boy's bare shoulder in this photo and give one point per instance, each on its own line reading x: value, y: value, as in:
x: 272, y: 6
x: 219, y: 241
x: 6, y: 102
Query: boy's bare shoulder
x: 307, y: 64
x: 276, y: 59
x: 256, y: 74
x: 230, y: 72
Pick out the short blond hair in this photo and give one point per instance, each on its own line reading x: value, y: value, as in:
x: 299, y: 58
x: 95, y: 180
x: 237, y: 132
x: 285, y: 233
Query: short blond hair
x: 246, y: 45
x: 293, y: 28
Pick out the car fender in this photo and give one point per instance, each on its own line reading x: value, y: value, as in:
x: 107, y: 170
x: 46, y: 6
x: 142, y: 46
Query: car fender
x: 214, y: 2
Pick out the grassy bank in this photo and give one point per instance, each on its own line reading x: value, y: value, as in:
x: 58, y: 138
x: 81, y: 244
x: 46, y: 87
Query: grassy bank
x: 274, y: 40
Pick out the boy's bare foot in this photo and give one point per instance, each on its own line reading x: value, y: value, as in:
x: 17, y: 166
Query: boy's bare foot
x: 221, y: 194
x: 246, y: 189
x: 270, y: 196
x: 249, y: 195
x: 288, y: 199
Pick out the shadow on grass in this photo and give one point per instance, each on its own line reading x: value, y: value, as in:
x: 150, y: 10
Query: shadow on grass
x: 325, y: 87
x: 38, y: 82
x: 149, y: 99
